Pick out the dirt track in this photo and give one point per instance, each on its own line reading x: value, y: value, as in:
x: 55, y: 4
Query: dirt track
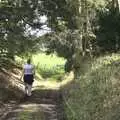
x: 42, y: 105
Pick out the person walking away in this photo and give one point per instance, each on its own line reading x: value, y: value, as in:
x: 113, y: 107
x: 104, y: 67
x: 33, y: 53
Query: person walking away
x: 28, y: 77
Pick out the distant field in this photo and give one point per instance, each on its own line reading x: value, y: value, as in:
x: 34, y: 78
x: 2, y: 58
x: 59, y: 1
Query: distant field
x: 49, y: 60
x: 48, y: 66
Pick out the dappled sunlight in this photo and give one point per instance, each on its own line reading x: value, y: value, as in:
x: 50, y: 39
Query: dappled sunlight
x: 50, y: 84
x: 32, y: 107
x: 46, y: 95
x: 39, y: 82
x: 29, y: 111
x: 46, y: 84
x: 67, y: 79
x: 104, y: 61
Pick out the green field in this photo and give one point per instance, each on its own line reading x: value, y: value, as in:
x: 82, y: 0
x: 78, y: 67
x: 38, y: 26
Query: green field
x: 48, y: 66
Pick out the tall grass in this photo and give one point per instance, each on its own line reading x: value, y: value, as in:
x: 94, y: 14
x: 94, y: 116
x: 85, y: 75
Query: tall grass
x: 97, y: 92
x: 49, y: 66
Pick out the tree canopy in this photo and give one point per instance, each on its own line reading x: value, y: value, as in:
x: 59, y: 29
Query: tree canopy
x: 78, y: 28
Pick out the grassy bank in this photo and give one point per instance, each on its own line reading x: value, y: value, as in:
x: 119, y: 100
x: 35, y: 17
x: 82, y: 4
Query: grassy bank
x: 96, y: 93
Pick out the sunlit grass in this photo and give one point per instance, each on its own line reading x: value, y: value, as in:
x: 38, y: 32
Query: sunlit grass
x: 50, y: 71
x: 30, y: 112
x: 48, y: 66
x: 53, y: 84
x: 49, y: 60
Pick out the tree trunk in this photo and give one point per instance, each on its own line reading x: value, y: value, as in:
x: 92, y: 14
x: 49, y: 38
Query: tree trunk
x: 82, y: 42
x: 116, y: 5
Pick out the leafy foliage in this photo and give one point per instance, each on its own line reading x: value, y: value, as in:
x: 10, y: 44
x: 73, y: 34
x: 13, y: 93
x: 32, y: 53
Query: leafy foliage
x: 108, y: 37
x: 15, y: 20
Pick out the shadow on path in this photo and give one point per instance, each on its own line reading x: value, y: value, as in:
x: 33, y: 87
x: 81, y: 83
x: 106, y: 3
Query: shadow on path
x: 42, y: 105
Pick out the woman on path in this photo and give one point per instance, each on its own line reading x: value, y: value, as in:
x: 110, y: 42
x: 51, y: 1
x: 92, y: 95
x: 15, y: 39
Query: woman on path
x: 28, y: 77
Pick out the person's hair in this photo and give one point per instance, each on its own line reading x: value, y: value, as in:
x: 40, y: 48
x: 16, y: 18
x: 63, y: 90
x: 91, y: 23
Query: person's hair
x: 29, y: 61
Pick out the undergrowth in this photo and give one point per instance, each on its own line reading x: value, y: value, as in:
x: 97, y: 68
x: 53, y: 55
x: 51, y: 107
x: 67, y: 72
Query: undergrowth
x: 96, y: 93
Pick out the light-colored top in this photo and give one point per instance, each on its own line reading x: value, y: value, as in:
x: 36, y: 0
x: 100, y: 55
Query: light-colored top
x: 28, y: 69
